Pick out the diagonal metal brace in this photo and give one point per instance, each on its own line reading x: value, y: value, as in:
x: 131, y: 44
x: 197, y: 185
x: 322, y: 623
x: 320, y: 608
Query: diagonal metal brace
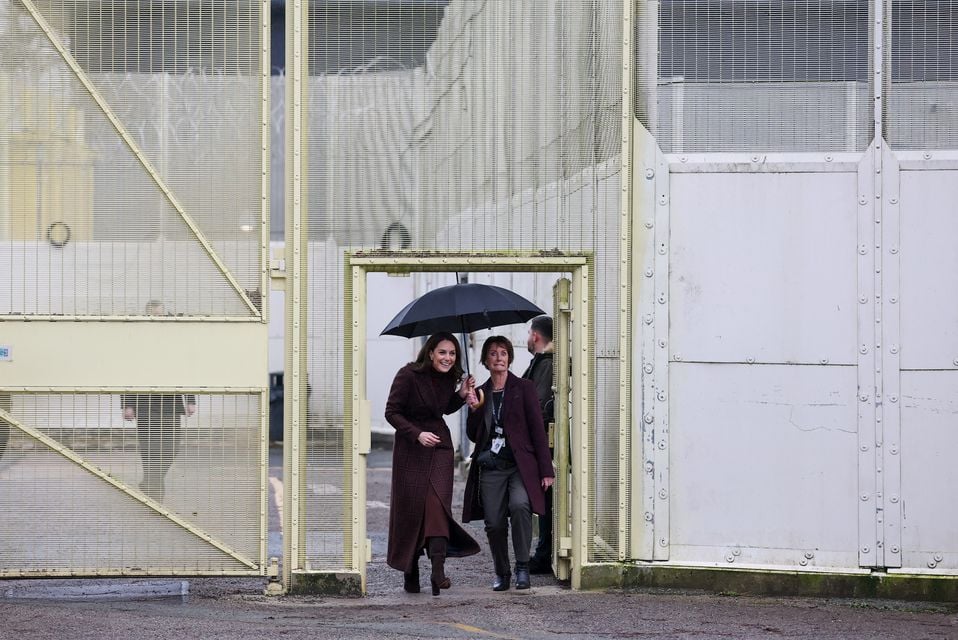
x: 71, y: 455
x: 101, y: 102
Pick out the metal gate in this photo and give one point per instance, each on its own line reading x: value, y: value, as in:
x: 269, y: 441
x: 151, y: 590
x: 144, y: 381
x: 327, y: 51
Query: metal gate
x: 798, y: 355
x: 133, y: 231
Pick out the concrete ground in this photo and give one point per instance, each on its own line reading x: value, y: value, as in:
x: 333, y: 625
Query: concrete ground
x: 236, y: 608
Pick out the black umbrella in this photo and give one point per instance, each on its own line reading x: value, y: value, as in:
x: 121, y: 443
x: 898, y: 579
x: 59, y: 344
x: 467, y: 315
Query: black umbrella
x: 461, y: 308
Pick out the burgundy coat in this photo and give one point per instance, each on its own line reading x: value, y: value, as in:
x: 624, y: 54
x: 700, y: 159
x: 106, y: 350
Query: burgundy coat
x: 413, y: 407
x: 522, y: 419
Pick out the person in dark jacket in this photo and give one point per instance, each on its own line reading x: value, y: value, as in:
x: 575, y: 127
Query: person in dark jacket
x: 158, y: 433
x: 420, y: 507
x: 158, y: 426
x: 539, y: 371
x: 511, y: 467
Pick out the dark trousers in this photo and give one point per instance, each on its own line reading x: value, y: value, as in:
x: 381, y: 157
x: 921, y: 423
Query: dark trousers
x: 157, y: 436
x: 4, y: 436
x: 544, y: 544
x: 504, y: 499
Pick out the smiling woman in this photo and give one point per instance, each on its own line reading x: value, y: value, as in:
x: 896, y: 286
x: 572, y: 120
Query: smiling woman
x: 420, y: 509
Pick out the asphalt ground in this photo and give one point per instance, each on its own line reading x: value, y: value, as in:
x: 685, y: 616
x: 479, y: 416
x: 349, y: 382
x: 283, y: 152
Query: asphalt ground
x: 237, y: 608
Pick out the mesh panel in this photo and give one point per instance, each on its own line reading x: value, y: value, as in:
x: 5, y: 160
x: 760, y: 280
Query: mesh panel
x: 922, y: 101
x: 754, y: 75
x: 204, y: 468
x: 86, y: 224
x: 468, y: 126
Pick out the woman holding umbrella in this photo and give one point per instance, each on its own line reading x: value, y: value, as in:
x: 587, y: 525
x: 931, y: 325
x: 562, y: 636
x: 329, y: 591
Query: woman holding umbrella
x: 511, y: 465
x: 420, y: 509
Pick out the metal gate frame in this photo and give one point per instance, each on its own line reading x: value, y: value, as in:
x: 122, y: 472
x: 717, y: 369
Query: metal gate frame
x: 92, y: 348
x: 356, y: 419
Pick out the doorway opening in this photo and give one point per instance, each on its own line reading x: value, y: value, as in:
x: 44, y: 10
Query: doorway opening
x: 379, y: 285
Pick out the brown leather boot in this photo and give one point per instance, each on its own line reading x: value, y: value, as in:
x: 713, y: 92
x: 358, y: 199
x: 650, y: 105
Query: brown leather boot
x: 436, y: 548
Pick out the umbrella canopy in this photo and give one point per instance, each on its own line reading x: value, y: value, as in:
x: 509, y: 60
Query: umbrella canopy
x: 461, y: 308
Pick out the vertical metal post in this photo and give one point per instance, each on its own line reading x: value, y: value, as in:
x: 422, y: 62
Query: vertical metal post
x: 264, y: 9
x: 561, y: 534
x: 626, y: 355
x: 296, y: 308
x: 581, y: 424
x: 357, y: 422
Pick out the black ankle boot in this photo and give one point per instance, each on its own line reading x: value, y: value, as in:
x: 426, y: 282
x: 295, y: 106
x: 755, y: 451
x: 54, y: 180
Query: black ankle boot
x: 522, y: 575
x: 501, y: 583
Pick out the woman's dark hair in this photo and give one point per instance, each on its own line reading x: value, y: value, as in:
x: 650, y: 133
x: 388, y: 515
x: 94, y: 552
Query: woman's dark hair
x: 422, y: 361
x: 502, y: 341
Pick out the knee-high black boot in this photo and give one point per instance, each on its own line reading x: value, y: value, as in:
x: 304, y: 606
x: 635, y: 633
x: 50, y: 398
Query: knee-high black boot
x: 437, y: 554
x: 410, y: 579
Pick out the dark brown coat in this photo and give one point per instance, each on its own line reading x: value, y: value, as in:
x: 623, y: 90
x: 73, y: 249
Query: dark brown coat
x: 523, y: 425
x: 414, y: 406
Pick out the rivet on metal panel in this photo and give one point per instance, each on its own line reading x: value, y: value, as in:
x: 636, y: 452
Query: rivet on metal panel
x: 649, y: 173
x: 662, y: 446
x: 750, y: 360
x: 828, y: 157
x: 895, y: 549
x: 893, y: 449
x: 663, y: 494
x: 803, y: 562
x: 649, y: 467
x: 663, y: 542
x: 894, y: 250
x: 648, y: 318
x: 894, y: 349
x: 809, y: 555
x: 955, y: 362
x: 864, y: 447
x: 932, y: 564
x: 662, y: 250
x: 649, y: 273
x: 893, y: 200
x: 661, y: 298
x: 729, y: 557
x: 755, y: 158
x: 862, y: 249
x: 862, y: 200
x: 648, y: 225
x: 663, y: 200
x: 863, y: 350
x: 648, y: 516
x: 677, y: 357
x: 660, y: 396
x: 648, y: 368
x: 893, y: 398
x: 649, y: 418
x: 736, y: 552
x: 864, y: 497
x: 894, y: 499
x: 684, y: 159
x: 863, y: 299
x: 823, y: 361
x: 866, y: 549
x: 926, y: 156
x: 662, y: 344
x: 939, y: 557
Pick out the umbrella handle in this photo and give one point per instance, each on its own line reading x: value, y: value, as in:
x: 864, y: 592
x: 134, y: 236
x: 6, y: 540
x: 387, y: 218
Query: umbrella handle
x: 482, y: 398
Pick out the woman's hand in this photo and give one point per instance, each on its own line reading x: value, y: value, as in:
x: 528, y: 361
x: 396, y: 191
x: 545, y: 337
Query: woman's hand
x: 428, y: 439
x: 476, y: 399
x: 468, y: 386
x: 547, y: 482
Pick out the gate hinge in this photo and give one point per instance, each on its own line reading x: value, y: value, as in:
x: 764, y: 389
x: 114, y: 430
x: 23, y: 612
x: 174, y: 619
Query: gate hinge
x: 565, y: 547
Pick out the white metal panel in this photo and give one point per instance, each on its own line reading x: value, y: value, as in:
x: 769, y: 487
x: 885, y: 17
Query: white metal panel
x: 763, y: 465
x: 763, y: 267
x: 929, y: 475
x: 929, y: 270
